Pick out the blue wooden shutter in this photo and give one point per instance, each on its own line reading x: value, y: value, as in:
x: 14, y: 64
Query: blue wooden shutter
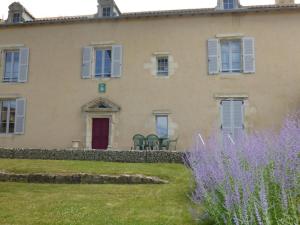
x: 226, y: 118
x: 248, y: 55
x: 87, y: 57
x: 238, y: 117
x: 23, y: 65
x: 213, y: 56
x: 117, y: 55
x: 20, y: 116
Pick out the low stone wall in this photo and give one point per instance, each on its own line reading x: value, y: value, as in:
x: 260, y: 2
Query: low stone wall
x: 107, y: 156
x: 79, y: 179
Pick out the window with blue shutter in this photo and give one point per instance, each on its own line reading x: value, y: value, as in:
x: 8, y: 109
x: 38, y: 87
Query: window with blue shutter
x: 232, y: 117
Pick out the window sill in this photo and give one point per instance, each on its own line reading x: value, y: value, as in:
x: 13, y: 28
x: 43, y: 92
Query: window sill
x: 11, y: 82
x: 7, y: 135
x: 162, y: 76
x: 231, y: 75
x: 104, y: 78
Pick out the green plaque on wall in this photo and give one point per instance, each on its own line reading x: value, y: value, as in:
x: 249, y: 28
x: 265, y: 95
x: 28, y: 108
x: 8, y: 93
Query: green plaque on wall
x: 102, y: 88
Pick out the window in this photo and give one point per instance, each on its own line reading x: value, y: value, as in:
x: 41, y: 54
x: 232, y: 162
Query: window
x: 232, y: 117
x: 103, y: 63
x: 162, y: 65
x: 16, y: 18
x: 7, y: 116
x: 11, y: 70
x: 162, y: 126
x: 229, y: 4
x: 106, y: 11
x: 231, y: 56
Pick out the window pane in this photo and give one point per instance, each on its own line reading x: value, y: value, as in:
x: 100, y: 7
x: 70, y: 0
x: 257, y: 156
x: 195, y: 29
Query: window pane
x: 4, y: 111
x: 162, y: 65
x: 98, y: 68
x: 162, y: 126
x: 16, y: 18
x: 225, y: 56
x: 236, y: 56
x: 107, y: 63
x: 228, y: 4
x: 15, y: 66
x: 106, y: 11
x: 8, y: 65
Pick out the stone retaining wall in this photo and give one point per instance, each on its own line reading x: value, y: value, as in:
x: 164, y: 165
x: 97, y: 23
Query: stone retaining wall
x: 107, y: 156
x: 79, y: 178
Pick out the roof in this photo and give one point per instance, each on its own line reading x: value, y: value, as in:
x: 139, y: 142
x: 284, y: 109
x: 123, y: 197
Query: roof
x: 163, y: 13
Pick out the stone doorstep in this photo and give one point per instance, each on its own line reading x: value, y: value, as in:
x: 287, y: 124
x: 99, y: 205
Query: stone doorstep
x: 81, y: 178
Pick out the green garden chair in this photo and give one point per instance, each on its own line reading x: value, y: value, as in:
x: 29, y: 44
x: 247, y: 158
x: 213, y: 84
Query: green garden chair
x: 138, y: 142
x: 168, y: 143
x: 152, y: 142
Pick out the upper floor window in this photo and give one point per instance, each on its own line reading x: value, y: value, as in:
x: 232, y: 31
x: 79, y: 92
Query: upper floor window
x: 15, y: 65
x: 229, y: 4
x: 231, y: 56
x: 162, y: 65
x: 162, y: 126
x: 11, y: 69
x: 16, y: 18
x: 106, y: 11
x: 103, y: 62
x: 7, y: 116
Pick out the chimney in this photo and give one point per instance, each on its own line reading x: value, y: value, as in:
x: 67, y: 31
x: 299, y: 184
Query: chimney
x: 285, y: 2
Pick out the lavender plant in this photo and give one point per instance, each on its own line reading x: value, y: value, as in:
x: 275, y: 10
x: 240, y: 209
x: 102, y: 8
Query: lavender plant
x: 251, y: 179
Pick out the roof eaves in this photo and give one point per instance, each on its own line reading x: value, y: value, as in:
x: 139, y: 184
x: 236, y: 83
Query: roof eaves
x: 181, y: 12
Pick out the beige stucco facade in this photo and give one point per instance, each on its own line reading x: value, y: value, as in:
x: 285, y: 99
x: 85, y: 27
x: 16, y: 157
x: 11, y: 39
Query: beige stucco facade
x: 55, y: 92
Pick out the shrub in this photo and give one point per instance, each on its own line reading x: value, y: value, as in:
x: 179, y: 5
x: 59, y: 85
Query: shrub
x: 250, y: 179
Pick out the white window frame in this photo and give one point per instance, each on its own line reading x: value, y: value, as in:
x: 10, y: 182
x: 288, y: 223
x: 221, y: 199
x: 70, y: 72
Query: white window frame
x: 104, y: 11
x: 14, y: 17
x: 228, y: 4
x: 231, y: 70
x: 10, y: 80
x: 7, y: 116
x: 156, y: 124
x: 102, y: 74
x: 162, y: 73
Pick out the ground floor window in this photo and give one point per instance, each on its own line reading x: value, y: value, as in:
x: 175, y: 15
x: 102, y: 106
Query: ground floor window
x: 232, y: 117
x: 7, y: 116
x: 162, y: 126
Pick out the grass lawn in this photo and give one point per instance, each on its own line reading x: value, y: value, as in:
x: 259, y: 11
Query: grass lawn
x: 39, y: 204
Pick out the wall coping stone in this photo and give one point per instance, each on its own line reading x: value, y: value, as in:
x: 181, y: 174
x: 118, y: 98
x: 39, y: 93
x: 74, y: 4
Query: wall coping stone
x: 79, y: 178
x: 126, y: 156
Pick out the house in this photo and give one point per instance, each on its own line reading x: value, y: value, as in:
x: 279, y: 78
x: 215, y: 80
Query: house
x: 99, y: 79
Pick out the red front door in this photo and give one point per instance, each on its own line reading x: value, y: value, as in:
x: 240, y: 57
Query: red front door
x: 100, y: 133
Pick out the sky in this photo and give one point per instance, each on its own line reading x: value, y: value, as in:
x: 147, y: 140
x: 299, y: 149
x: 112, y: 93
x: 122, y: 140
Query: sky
x: 52, y: 8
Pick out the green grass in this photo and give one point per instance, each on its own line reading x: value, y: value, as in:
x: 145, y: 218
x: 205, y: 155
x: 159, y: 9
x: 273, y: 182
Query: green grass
x: 38, y: 204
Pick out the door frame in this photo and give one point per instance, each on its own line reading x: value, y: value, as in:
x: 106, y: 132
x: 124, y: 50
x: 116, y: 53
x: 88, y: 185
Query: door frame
x: 89, y: 129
